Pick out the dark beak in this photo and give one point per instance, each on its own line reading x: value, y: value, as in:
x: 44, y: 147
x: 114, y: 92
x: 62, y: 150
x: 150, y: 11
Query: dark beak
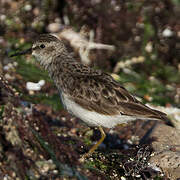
x: 28, y: 51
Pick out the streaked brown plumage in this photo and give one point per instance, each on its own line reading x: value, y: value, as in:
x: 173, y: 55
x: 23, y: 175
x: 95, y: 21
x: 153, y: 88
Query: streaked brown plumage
x: 97, y: 91
x: 92, y: 95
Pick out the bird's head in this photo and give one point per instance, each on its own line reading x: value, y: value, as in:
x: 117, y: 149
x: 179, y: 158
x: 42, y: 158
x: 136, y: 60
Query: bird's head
x: 45, y: 48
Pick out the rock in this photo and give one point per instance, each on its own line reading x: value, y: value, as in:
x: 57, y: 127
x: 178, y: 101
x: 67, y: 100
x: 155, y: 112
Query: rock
x: 149, y: 47
x: 41, y: 82
x: 167, y: 150
x: 31, y: 86
x: 28, y: 7
x: 167, y: 33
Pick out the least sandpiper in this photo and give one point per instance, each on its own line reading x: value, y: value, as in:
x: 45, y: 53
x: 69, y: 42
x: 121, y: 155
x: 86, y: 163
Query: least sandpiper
x: 91, y: 95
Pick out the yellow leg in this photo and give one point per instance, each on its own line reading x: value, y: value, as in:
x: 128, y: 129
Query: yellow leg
x: 103, y: 135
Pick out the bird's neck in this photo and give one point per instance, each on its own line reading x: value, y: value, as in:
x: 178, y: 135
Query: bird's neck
x: 59, y: 69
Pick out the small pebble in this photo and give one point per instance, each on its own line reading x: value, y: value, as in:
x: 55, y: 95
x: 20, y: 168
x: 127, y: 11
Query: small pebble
x: 123, y: 178
x: 9, y: 77
x: 2, y: 17
x: 27, y: 7
x: 167, y: 33
x: 149, y: 47
x: 33, y: 86
x: 55, y: 171
x: 41, y: 82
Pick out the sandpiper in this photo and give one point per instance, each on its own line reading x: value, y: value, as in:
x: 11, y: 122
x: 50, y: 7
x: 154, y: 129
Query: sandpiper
x: 89, y: 94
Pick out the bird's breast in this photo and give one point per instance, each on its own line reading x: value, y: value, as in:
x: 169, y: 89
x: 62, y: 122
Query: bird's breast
x: 92, y: 118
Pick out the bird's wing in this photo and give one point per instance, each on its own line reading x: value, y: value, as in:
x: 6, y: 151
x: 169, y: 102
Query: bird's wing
x: 102, y: 94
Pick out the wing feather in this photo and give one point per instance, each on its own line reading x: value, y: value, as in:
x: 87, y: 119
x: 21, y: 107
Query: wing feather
x: 99, y: 92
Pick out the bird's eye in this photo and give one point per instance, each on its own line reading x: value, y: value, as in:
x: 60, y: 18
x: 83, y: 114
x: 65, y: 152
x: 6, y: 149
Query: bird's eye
x: 42, y: 46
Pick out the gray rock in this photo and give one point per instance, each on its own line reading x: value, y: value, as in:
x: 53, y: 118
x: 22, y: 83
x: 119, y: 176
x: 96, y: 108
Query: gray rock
x: 167, y: 150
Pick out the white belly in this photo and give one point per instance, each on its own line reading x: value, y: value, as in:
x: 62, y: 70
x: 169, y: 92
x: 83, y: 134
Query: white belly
x: 94, y: 118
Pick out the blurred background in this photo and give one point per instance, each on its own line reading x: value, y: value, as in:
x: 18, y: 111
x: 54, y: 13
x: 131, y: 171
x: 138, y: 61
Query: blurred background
x: 143, y: 38
x: 137, y: 42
